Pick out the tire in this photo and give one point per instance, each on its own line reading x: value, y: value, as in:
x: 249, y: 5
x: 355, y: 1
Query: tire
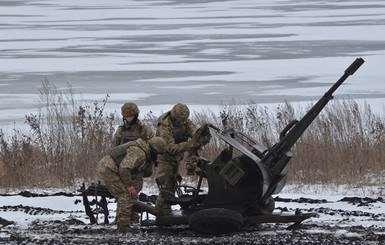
x: 215, y: 221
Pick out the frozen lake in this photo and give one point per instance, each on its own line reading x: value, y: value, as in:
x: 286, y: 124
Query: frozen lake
x: 202, y: 53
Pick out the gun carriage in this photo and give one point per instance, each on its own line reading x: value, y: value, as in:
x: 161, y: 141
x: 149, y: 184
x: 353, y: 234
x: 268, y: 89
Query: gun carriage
x: 240, y: 188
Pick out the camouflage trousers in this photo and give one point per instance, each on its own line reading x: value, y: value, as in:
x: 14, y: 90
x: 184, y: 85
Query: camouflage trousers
x: 111, y: 178
x: 166, y: 181
x: 138, y: 184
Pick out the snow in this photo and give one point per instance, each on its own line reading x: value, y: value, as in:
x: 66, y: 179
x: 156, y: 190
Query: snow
x: 66, y: 207
x: 23, y: 219
x: 55, y: 220
x: 210, y: 51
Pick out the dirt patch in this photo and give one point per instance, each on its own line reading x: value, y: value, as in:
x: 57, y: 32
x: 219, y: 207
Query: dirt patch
x: 313, y: 231
x: 74, y: 232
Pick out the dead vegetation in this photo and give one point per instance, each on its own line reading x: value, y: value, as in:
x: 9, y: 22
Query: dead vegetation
x: 67, y: 137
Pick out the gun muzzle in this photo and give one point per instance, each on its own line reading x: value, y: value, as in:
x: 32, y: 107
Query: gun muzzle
x: 354, y: 66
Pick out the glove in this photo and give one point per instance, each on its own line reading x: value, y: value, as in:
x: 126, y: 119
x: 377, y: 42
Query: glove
x: 205, y: 137
x: 204, y: 140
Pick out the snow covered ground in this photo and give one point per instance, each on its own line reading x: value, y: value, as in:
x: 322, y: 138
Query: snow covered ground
x: 58, y: 216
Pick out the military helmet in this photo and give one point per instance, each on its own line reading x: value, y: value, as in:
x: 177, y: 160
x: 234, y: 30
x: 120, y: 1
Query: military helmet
x: 158, y: 144
x: 180, y: 111
x: 130, y: 108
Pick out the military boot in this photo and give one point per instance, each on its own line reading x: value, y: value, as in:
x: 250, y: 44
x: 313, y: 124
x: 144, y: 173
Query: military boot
x: 124, y: 229
x: 134, y: 218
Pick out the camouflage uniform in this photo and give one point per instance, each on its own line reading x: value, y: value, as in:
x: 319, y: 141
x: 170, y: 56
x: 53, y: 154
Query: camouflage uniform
x: 124, y: 167
x: 176, y: 129
x: 130, y: 131
x: 126, y: 133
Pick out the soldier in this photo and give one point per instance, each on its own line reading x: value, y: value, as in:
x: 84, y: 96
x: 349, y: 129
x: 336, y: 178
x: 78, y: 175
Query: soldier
x: 122, y: 171
x: 132, y: 128
x: 176, y: 129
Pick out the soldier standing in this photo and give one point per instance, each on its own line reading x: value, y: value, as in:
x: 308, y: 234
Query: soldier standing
x: 176, y: 129
x: 132, y: 128
x: 122, y: 171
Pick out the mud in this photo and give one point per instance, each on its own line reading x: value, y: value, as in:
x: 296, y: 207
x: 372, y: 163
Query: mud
x: 313, y: 231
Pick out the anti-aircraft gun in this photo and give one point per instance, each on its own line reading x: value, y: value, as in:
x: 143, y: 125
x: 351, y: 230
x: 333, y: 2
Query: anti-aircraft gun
x: 240, y: 187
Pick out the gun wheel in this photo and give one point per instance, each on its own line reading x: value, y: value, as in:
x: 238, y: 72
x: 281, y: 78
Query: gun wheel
x: 215, y: 221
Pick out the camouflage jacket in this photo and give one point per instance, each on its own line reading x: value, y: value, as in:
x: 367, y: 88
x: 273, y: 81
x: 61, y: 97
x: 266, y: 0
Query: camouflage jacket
x: 176, y: 137
x: 138, y: 130
x: 135, y: 162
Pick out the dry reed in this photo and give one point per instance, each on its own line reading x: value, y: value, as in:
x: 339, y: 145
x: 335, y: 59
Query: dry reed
x: 343, y: 146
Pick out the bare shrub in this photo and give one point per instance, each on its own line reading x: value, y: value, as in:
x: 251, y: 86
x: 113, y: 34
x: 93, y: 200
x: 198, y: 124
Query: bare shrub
x: 65, y: 142
x: 343, y: 146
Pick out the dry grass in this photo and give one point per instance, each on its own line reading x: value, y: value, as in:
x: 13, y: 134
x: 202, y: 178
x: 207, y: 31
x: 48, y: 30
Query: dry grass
x: 67, y: 139
x: 343, y: 146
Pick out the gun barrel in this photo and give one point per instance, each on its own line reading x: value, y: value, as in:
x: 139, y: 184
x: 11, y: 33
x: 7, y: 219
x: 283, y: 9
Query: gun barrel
x: 288, y: 139
x: 348, y: 72
x: 354, y: 66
